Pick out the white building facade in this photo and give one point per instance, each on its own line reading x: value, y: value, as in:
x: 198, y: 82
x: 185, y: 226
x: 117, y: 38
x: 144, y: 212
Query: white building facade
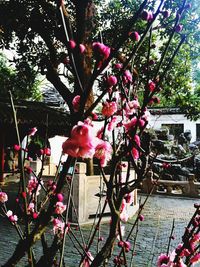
x: 175, y: 121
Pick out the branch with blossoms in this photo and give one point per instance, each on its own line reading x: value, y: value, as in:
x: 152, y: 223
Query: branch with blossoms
x: 187, y: 253
x: 123, y: 99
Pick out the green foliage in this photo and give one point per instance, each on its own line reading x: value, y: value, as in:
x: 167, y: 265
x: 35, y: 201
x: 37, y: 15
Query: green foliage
x: 21, y: 81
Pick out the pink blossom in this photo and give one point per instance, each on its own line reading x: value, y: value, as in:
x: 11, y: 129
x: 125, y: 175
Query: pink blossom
x: 101, y: 49
x: 151, y: 86
x: 112, y: 80
x: 32, y: 131
x: 135, y: 151
x: 194, y: 240
x: 127, y: 77
x: 31, y: 207
x: 127, y: 246
x: 112, y: 123
x: 123, y: 212
x: 103, y: 152
x: 82, y: 142
x: 179, y: 28
x: 166, y: 13
x: 33, y: 185
x: 109, y: 108
x: 135, y: 36
x: 118, y: 66
x: 146, y: 115
x: 58, y: 226
x: 131, y: 106
x: 60, y: 197
x: 141, y: 217
x: 141, y: 123
x: 163, y: 260
x: 17, y: 147
x: 47, y: 151
x: 130, y: 125
x: 13, y: 218
x: 60, y: 207
x: 147, y: 15
x: 3, y: 197
x: 195, y: 258
x: 82, y: 48
x: 72, y: 44
x: 76, y: 103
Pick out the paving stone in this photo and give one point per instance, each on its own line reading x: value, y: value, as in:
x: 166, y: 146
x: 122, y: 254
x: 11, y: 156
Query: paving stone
x: 152, y: 239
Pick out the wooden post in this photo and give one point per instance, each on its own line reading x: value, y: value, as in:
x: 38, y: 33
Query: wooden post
x: 2, y: 139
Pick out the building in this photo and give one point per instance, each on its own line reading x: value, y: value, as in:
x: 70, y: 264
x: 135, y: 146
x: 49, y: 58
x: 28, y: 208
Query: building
x: 175, y: 120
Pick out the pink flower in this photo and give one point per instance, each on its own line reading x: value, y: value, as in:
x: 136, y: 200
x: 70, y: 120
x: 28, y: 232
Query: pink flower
x: 33, y: 186
x: 76, y: 103
x: 103, y: 152
x: 135, y: 151
x: 112, y: 123
x: 47, y: 151
x: 179, y: 28
x: 58, y: 226
x: 151, y: 86
x: 72, y: 44
x: 12, y: 218
x: 141, y: 217
x: 147, y: 15
x: 163, y: 260
x: 130, y: 125
x: 127, y: 77
x: 82, y: 48
x: 141, y: 123
x: 146, y: 115
x: 135, y: 36
x: 109, y: 108
x: 131, y: 106
x: 112, y: 80
x: 3, y: 197
x: 82, y: 142
x: 31, y: 207
x: 101, y: 50
x: 17, y: 147
x: 166, y: 14
x: 60, y: 207
x: 32, y: 131
x: 118, y: 66
x: 195, y: 258
x: 60, y: 197
x: 127, y: 246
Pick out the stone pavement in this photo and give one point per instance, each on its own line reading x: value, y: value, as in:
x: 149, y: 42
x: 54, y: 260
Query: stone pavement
x: 152, y: 238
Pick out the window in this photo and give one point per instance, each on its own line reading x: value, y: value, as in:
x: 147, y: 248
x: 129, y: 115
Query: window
x: 197, y: 131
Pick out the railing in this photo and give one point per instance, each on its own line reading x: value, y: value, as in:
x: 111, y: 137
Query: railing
x: 86, y: 195
x: 189, y: 188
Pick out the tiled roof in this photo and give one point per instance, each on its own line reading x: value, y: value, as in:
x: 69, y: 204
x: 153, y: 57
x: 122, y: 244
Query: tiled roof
x: 31, y: 113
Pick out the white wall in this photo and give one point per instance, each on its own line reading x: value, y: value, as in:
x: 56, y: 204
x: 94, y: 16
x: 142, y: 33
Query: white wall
x: 156, y: 122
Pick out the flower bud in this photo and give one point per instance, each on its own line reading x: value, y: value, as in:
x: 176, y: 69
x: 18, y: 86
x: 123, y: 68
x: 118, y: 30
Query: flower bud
x: 72, y: 44
x: 111, y: 80
x: 82, y: 48
x: 179, y: 28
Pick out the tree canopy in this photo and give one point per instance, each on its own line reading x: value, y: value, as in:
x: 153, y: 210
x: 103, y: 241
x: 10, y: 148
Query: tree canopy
x: 34, y: 29
x: 22, y: 80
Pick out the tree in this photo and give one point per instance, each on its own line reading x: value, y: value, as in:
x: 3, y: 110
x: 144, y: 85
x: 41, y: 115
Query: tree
x: 67, y: 44
x: 21, y: 81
